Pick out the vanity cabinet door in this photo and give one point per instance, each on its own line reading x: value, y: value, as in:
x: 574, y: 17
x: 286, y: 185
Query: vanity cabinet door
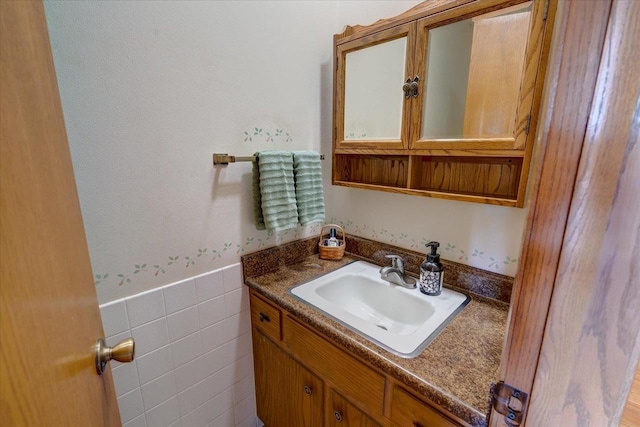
x: 287, y: 394
x: 342, y: 413
x: 353, y: 378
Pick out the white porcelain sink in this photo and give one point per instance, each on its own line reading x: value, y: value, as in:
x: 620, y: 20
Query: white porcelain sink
x: 403, y: 321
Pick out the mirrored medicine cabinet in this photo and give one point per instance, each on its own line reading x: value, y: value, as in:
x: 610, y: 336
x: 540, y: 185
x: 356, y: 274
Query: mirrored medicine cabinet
x: 441, y: 100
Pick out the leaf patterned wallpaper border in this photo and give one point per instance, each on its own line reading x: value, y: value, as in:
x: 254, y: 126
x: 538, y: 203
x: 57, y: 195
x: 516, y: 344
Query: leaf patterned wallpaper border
x: 269, y: 136
x: 478, y: 257
x: 211, y: 255
x: 231, y: 250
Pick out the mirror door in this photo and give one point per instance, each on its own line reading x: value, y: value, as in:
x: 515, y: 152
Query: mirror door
x: 476, y: 81
x: 373, y: 90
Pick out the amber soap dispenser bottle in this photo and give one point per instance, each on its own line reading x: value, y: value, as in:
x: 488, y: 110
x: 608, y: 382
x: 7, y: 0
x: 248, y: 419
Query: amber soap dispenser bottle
x: 431, y: 272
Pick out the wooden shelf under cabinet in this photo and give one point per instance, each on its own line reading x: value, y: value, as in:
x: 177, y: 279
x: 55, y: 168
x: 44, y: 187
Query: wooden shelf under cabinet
x: 495, y: 177
x: 391, y: 171
x: 494, y: 180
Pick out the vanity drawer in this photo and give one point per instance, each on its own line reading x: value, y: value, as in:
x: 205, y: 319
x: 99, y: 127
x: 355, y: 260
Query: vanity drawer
x: 345, y: 373
x: 265, y: 317
x: 407, y: 411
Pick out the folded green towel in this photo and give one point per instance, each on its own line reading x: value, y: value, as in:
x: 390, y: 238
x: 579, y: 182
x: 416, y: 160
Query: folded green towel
x: 257, y: 198
x: 309, y: 196
x: 276, y: 193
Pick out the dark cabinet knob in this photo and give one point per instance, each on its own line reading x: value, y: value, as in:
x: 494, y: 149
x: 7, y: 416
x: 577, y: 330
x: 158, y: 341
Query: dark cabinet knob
x: 413, y: 87
x: 308, y: 390
x: 264, y: 318
x: 406, y: 88
x: 338, y: 416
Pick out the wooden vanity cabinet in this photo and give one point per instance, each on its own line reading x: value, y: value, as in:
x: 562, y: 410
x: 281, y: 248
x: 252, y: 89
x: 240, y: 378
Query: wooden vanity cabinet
x: 454, y: 111
x: 302, y: 379
x: 407, y: 411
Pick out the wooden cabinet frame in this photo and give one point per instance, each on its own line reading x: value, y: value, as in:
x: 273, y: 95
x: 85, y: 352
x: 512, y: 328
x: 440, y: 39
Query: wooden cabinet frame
x: 397, y: 165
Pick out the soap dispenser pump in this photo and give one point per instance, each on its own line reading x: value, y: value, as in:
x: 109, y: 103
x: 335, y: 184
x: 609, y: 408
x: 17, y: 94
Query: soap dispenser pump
x: 431, y: 272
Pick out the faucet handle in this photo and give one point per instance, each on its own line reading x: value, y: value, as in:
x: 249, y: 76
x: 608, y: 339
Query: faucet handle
x: 396, y: 261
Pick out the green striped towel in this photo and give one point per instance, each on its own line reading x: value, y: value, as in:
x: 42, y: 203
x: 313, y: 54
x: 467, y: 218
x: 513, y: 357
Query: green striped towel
x: 276, y: 193
x: 309, y: 196
x: 257, y: 198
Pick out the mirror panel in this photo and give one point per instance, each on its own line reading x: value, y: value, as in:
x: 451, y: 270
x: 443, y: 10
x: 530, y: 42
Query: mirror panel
x: 373, y: 91
x: 447, y: 74
x: 474, y: 71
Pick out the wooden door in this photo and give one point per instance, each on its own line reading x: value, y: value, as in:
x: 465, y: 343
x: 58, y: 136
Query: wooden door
x: 631, y: 413
x: 573, y: 336
x: 287, y: 394
x: 341, y: 412
x: 48, y: 304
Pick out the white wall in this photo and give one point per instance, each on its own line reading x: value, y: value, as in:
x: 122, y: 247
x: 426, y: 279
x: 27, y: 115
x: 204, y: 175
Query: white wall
x: 151, y: 89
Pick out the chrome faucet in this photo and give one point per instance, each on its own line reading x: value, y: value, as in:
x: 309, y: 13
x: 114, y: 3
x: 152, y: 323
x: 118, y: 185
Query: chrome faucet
x: 395, y: 273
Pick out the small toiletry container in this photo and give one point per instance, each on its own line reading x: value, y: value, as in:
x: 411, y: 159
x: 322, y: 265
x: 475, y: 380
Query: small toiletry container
x: 431, y: 272
x: 332, y: 241
x: 332, y: 248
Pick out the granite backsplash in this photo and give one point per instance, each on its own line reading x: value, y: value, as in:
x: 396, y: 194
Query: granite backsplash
x: 463, y: 277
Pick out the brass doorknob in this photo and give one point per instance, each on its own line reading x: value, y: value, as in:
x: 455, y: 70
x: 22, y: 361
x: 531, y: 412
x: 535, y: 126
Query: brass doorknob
x: 123, y: 352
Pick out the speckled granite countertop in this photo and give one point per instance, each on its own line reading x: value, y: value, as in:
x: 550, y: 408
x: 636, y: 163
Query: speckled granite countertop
x: 454, y: 371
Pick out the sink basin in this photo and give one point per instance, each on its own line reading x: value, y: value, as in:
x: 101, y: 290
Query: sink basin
x: 402, y: 321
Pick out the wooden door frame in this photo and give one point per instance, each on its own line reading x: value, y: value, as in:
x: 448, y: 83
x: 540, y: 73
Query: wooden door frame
x: 571, y: 101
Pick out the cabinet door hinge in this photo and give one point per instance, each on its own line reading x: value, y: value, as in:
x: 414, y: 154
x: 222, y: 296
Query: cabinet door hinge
x: 508, y: 401
x: 528, y: 125
x: 546, y: 10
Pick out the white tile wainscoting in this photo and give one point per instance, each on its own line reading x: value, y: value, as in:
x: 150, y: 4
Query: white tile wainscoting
x: 193, y: 364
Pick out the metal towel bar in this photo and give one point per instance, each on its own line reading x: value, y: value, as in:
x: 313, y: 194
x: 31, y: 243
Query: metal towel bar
x: 225, y: 159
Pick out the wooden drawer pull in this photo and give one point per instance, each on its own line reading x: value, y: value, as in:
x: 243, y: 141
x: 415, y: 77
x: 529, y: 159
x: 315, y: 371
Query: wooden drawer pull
x: 264, y: 318
x: 338, y: 416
